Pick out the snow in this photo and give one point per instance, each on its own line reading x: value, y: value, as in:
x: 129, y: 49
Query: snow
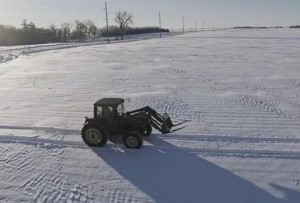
x: 8, y: 53
x: 239, y: 88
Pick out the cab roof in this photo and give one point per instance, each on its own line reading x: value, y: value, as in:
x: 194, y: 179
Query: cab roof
x: 109, y: 102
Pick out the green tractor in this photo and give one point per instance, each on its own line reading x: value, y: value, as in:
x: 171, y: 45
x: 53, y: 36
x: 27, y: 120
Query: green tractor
x: 111, y: 122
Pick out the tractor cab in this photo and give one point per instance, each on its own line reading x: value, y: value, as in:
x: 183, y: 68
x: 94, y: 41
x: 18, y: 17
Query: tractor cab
x: 109, y: 109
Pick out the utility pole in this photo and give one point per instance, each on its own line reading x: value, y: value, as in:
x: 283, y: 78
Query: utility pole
x: 182, y: 24
x: 203, y: 24
x: 159, y: 24
x: 106, y: 23
x: 195, y: 25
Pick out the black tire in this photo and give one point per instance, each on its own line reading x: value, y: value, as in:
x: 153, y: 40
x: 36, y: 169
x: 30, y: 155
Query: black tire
x: 94, y: 136
x: 133, y: 141
x: 147, y: 131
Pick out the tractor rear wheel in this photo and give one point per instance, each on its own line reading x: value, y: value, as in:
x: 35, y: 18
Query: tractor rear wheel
x: 133, y: 141
x: 94, y: 136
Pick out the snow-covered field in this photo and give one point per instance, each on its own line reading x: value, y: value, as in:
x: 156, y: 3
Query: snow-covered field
x: 239, y: 88
x: 8, y: 53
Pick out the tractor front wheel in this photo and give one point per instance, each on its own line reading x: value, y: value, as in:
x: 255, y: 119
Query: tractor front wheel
x: 94, y: 136
x: 133, y: 141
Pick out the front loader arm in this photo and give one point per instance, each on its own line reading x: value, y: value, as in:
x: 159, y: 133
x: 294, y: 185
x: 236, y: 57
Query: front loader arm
x: 159, y: 122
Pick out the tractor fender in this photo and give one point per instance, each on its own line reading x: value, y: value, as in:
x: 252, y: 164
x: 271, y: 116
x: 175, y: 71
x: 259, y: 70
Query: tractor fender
x: 101, y: 123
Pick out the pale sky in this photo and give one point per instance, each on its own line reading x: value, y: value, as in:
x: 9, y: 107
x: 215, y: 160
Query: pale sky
x: 217, y: 13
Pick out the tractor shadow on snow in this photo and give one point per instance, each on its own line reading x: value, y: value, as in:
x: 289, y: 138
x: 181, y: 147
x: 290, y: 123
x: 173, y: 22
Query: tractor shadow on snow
x: 167, y: 173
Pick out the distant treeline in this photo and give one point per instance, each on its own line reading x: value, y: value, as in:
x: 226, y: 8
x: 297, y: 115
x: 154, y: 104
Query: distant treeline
x: 77, y: 31
x: 250, y: 27
x: 114, y: 31
x: 30, y: 34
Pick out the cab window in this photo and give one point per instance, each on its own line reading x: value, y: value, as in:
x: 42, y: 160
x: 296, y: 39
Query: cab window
x: 120, y: 109
x: 99, y: 112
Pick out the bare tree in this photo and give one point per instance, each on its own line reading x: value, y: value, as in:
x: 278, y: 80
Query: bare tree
x: 80, y: 30
x: 91, y: 29
x: 94, y: 30
x: 89, y: 26
x: 123, y: 19
x: 66, y: 31
x: 53, y: 31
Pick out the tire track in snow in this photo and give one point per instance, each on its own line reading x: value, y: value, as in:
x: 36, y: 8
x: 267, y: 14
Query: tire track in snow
x: 229, y: 138
x: 248, y: 113
x: 62, y: 143
x: 294, y: 83
x: 251, y: 153
x: 181, y: 74
x: 244, y: 147
x: 41, y: 142
x: 259, y: 114
x: 246, y: 107
x: 253, y: 87
x: 44, y: 186
x: 259, y: 104
x: 46, y: 129
x: 248, y: 153
x: 15, y: 161
x: 174, y: 106
x: 45, y: 158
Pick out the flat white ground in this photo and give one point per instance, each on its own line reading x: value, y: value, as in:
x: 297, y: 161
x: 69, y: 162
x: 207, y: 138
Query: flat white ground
x: 239, y: 88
